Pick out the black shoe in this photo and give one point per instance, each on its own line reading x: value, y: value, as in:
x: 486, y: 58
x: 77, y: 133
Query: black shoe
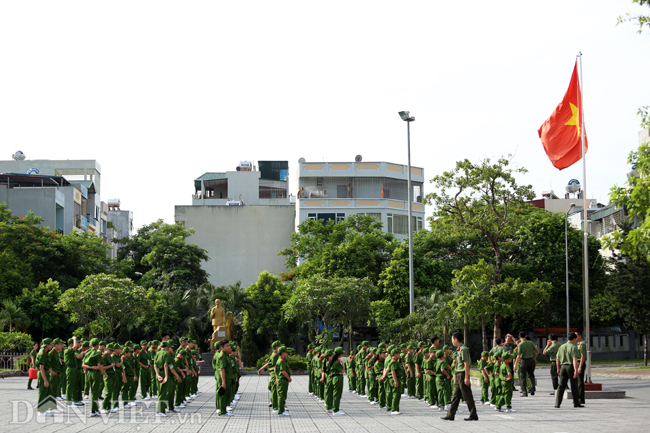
x: 29, y: 387
x: 471, y: 419
x: 446, y: 418
x: 524, y: 395
x: 578, y: 405
x: 270, y: 404
x: 557, y: 406
x: 514, y: 389
x: 582, y: 402
x: 532, y: 393
x: 101, y: 398
x: 553, y: 393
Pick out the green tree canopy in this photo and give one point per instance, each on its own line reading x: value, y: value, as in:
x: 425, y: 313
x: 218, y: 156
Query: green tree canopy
x: 38, y: 303
x: 269, y: 293
x: 103, y: 303
x: 356, y: 247
x: 482, y: 197
x: 160, y: 257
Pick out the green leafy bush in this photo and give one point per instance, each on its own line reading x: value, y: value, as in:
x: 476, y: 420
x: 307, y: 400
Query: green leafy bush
x: 296, y: 362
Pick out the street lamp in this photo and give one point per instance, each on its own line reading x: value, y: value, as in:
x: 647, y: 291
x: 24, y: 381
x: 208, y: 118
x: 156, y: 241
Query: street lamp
x: 406, y: 116
x: 566, y: 253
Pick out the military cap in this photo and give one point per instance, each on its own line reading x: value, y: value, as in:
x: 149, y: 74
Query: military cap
x: 94, y: 342
x: 47, y: 341
x: 70, y: 341
x: 485, y: 353
x: 422, y: 344
x: 85, y: 343
x: 102, y: 343
x: 358, y: 347
x: 403, y: 346
x: 182, y: 339
x: 381, y: 345
x: 144, y: 343
x: 448, y: 347
x: 57, y: 341
x: 338, y: 350
x: 217, y: 344
x: 440, y: 354
x: 283, y: 349
x: 127, y: 350
x: 365, y: 343
x: 411, y: 346
x: 394, y: 352
x: 136, y: 347
x: 276, y: 343
x: 155, y: 343
x: 128, y: 343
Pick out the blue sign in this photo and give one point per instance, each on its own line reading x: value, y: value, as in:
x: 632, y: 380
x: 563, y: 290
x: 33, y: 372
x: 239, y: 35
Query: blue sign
x: 574, y: 181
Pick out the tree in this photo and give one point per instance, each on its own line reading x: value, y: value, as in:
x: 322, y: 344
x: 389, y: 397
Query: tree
x: 334, y: 301
x: 160, y: 257
x: 430, y: 271
x: 38, y: 303
x: 12, y: 315
x: 14, y: 340
x: 15, y: 275
x: 235, y: 300
x: 356, y: 247
x: 103, y: 303
x: 629, y: 287
x: 482, y: 198
x: 269, y: 294
x: 635, y: 198
x: 43, y: 254
x: 536, y: 251
x: 640, y: 20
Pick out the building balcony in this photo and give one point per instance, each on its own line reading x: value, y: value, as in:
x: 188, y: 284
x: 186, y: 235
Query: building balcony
x: 352, y: 203
x: 360, y: 169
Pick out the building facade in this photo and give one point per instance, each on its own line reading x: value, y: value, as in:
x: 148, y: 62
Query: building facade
x: 243, y: 218
x: 334, y: 190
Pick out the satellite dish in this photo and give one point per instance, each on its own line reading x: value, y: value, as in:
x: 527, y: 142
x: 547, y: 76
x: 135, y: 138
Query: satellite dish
x: 33, y: 170
x: 18, y: 156
x: 302, y: 161
x: 573, y: 186
x: 358, y: 158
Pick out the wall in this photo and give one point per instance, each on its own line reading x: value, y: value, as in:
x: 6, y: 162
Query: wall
x: 41, y: 201
x: 242, y: 241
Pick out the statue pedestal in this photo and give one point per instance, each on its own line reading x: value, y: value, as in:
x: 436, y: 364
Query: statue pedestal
x: 217, y: 335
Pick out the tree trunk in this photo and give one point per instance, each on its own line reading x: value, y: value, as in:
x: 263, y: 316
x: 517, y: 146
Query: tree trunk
x: 465, y: 330
x: 350, y: 337
x: 483, y: 333
x: 497, y: 328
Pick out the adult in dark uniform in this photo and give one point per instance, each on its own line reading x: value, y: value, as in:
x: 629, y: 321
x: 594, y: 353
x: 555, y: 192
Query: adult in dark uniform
x: 527, y: 353
x: 552, y: 346
x: 582, y: 350
x: 567, y: 364
x: 462, y: 386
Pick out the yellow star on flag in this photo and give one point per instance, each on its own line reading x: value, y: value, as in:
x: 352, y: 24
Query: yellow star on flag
x: 574, y: 118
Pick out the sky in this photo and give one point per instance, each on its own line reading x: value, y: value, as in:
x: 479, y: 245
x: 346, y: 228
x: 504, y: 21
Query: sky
x: 160, y: 92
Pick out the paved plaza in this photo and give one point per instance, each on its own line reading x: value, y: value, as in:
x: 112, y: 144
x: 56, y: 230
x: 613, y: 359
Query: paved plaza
x: 252, y: 414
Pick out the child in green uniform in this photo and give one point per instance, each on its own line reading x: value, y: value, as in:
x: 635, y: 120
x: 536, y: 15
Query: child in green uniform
x: 335, y: 372
x: 46, y: 402
x: 442, y: 379
x: 483, y: 365
x: 396, y: 380
x: 284, y: 378
x: 429, y: 369
x: 349, y: 368
x: 506, y: 383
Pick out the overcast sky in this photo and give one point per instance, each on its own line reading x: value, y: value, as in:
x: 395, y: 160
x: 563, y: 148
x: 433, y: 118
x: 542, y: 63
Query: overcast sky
x: 160, y: 92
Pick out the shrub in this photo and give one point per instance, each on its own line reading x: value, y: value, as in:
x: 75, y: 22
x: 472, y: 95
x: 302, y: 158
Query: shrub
x: 296, y: 362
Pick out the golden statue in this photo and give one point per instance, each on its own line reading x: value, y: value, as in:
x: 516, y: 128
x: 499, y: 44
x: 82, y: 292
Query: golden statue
x: 218, y: 315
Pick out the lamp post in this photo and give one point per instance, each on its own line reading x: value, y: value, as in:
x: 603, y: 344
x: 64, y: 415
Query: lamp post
x: 566, y: 253
x: 406, y: 116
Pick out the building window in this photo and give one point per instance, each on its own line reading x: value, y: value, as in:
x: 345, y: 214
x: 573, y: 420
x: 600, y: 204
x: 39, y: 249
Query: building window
x: 389, y: 223
x: 340, y: 217
x: 341, y: 191
x: 311, y: 216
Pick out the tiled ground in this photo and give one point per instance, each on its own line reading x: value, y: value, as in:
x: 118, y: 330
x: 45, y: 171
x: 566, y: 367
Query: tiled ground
x: 535, y: 414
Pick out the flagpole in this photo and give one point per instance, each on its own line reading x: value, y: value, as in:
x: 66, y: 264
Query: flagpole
x: 585, y: 235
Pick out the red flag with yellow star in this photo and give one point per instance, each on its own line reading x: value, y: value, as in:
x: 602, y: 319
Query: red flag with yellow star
x: 560, y: 133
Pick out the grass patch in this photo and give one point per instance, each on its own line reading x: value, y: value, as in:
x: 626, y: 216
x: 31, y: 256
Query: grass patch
x: 631, y: 368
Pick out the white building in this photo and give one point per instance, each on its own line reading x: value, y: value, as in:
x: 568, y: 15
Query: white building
x: 243, y: 218
x: 334, y: 190
x: 66, y: 206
